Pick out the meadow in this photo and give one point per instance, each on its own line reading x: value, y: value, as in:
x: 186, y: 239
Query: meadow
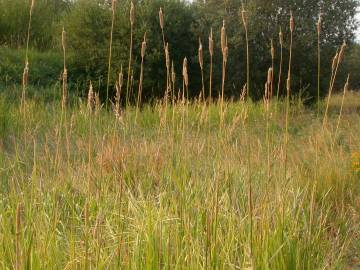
x: 177, y: 188
x: 180, y: 182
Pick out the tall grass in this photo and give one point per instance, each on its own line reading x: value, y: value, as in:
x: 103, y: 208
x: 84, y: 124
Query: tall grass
x: 215, y: 186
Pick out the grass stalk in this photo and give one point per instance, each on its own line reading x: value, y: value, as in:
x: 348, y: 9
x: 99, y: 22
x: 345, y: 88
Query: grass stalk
x: 318, y: 28
x: 138, y: 104
x: 281, y: 42
x: 113, y: 10
x: 18, y: 261
x: 346, y: 89
x: 224, y: 49
x: 335, y: 67
x: 201, y: 63
x: 211, y: 52
x: 245, y: 23
x: 26, y: 68
x: 132, y: 21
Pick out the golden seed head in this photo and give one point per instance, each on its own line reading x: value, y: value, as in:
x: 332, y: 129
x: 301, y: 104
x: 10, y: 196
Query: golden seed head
x: 173, y: 75
x: 342, y: 51
x: 226, y: 54
x: 201, y: 60
x: 243, y: 15
x: 185, y: 72
x: 26, y: 74
x: 270, y: 76
x: 161, y: 18
x: 63, y: 38
x: 211, y: 43
x: 91, y: 98
x: 346, y: 87
x: 32, y: 5
x: 167, y: 56
x: 318, y: 25
x: 335, y: 61
x: 113, y: 5
x: 292, y: 22
x: 281, y: 37
x: 288, y: 85
x: 223, y: 37
x: 272, y: 50
x: 121, y: 77
x: 132, y: 13
x: 143, y: 47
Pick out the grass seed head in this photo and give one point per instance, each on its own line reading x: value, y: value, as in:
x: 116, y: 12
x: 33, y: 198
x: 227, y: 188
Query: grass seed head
x: 335, y: 61
x: 342, y: 51
x: 91, y: 98
x: 243, y: 15
x: 63, y: 38
x: 121, y: 77
x: 173, y: 74
x: 281, y: 37
x: 143, y: 47
x: 288, y: 84
x: 132, y: 13
x: 292, y: 22
x: 201, y: 59
x: 25, y: 78
x: 318, y: 25
x: 223, y: 37
x: 32, y: 5
x: 161, y: 18
x: 211, y: 43
x: 167, y: 56
x: 270, y: 76
x: 272, y: 50
x: 185, y: 72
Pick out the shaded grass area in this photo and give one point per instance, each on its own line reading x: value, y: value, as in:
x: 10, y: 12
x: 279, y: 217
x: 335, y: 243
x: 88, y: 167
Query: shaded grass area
x: 170, y: 190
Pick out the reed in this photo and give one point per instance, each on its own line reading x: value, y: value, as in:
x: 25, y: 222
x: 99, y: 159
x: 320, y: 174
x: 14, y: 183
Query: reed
x: 26, y: 68
x: 245, y: 23
x: 65, y: 73
x: 211, y: 52
x: 167, y: 58
x: 113, y: 10
x: 318, y: 30
x: 119, y: 85
x: 345, y: 90
x: 132, y: 21
x: 225, y: 51
x: 267, y: 99
x: 338, y: 58
x: 272, y: 52
x: 173, y: 80
x: 168, y: 79
x: 286, y: 135
x: 281, y: 42
x: 138, y: 103
x: 185, y: 79
x: 201, y: 63
x: 91, y: 107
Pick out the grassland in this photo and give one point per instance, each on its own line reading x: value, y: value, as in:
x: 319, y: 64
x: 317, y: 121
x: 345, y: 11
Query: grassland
x: 178, y: 187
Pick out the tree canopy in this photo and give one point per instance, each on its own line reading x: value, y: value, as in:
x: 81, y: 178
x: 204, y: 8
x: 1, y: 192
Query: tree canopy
x: 88, y: 22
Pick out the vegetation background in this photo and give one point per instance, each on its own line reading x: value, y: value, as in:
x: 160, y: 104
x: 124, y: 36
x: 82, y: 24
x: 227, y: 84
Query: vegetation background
x: 187, y: 184
x: 88, y: 22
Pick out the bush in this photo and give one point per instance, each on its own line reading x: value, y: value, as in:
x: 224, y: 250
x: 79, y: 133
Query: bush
x: 44, y: 67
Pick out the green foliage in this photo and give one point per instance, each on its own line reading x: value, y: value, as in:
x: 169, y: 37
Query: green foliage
x: 44, y: 67
x: 88, y: 22
x: 14, y: 18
